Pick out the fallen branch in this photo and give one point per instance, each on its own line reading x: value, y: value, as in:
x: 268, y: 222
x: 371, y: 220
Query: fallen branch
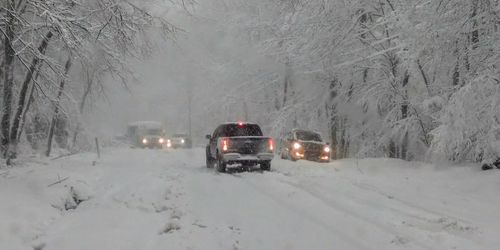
x: 57, y: 182
x: 65, y: 155
x: 5, y: 173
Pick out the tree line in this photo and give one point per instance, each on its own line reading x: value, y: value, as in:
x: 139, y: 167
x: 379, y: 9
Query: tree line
x: 408, y: 79
x: 54, y: 56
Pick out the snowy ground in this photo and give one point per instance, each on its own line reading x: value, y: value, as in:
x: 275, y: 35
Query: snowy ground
x: 149, y: 199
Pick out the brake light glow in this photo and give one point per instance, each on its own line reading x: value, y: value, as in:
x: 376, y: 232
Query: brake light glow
x: 271, y: 144
x: 225, y: 145
x: 240, y: 124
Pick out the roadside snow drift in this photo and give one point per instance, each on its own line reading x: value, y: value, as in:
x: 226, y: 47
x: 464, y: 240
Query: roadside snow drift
x: 153, y: 199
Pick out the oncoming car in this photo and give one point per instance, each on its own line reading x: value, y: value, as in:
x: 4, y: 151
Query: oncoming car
x: 179, y: 141
x: 303, y: 144
x: 146, y: 134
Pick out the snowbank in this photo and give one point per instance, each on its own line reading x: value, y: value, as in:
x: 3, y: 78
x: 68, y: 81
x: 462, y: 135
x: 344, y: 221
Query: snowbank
x: 152, y: 199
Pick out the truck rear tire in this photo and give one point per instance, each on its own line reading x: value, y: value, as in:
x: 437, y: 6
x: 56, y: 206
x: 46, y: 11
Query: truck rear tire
x: 221, y: 165
x: 209, y: 162
x: 265, y: 166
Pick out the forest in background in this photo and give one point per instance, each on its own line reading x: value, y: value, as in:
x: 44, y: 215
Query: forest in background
x: 408, y: 79
x: 54, y: 56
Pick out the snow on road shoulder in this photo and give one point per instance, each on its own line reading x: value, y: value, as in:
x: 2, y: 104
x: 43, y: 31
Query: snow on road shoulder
x: 37, y: 194
x: 448, y: 206
x: 154, y: 199
x: 73, y: 203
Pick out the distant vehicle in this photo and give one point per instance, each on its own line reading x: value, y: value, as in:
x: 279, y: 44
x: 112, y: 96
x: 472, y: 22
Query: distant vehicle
x: 180, y: 141
x: 146, y: 134
x: 304, y: 144
x: 239, y: 143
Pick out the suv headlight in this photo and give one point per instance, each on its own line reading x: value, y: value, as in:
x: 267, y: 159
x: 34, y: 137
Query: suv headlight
x: 297, y: 145
x: 327, y: 149
x: 145, y: 141
x: 161, y: 140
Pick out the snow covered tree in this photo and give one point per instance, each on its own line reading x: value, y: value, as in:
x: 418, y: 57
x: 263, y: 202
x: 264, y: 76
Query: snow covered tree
x: 37, y: 35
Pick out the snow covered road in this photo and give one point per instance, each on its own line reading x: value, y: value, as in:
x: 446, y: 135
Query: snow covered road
x: 151, y: 199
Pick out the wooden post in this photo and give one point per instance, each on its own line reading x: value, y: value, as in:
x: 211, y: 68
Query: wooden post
x: 97, y: 148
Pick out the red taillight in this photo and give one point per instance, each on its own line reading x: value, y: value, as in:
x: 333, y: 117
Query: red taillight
x: 225, y: 144
x: 271, y: 144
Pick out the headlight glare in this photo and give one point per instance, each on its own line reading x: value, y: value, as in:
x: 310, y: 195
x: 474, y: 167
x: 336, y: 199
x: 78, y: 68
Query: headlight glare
x: 297, y: 145
x: 327, y: 149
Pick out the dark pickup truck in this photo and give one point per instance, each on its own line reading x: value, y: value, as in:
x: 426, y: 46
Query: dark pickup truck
x: 239, y: 143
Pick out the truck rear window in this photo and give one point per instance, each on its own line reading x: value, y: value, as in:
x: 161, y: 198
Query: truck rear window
x: 241, y: 130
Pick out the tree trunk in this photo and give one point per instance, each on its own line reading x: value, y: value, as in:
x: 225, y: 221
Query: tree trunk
x: 333, y: 134
x: 285, y: 84
x: 475, y: 28
x: 56, y: 106
x: 1, y: 72
x: 345, y: 139
x: 404, y: 114
x: 23, y: 93
x: 8, y: 72
x: 90, y: 82
x: 391, y: 150
x: 424, y: 77
x: 341, y: 141
x: 31, y: 99
x: 332, y: 113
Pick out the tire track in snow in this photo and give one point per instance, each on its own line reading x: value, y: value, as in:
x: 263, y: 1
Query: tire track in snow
x: 412, y: 215
x: 373, y: 189
x: 302, y: 213
x: 440, y: 222
x: 335, y: 206
x: 425, y: 219
x: 434, y: 221
x: 240, y: 178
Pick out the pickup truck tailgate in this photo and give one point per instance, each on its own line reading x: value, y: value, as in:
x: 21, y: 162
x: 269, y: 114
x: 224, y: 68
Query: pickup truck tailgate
x: 248, y: 144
